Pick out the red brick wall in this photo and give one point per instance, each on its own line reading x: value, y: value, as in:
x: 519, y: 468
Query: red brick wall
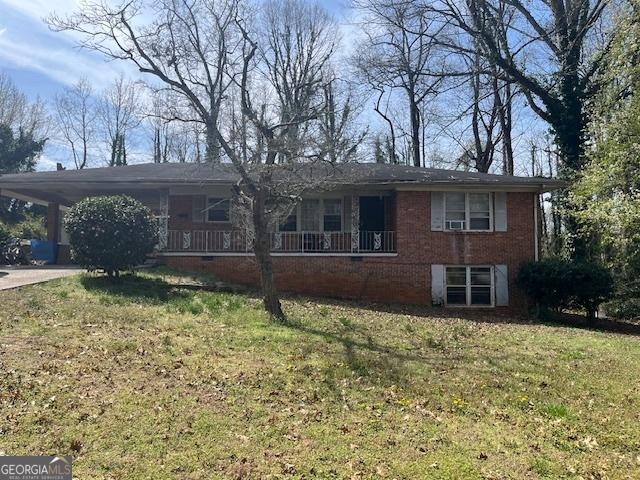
x: 404, y: 278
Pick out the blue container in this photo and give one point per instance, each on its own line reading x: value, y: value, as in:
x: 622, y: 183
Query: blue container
x: 43, y: 250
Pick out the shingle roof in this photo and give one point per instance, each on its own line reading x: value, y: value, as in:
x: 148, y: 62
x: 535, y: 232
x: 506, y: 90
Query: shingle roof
x: 347, y: 174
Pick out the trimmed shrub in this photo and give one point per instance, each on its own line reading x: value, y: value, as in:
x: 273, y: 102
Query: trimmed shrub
x: 555, y: 283
x: 112, y: 233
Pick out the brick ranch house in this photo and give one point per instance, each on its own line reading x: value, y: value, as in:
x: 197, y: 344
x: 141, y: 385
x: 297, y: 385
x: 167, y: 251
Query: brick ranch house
x: 388, y: 233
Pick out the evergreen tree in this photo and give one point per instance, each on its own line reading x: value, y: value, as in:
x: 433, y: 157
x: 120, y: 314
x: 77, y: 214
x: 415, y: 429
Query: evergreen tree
x: 19, y: 153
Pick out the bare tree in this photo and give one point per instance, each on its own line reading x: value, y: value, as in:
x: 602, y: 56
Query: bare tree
x: 220, y: 31
x: 187, y: 46
x: 18, y: 113
x: 561, y: 31
x: 484, y: 118
x: 399, y: 53
x: 119, y: 110
x: 161, y: 128
x: 550, y: 49
x: 338, y: 133
x: 76, y: 113
x: 381, y: 107
x: 297, y: 44
x: 172, y: 140
x: 267, y: 192
x: 504, y: 95
x: 490, y: 118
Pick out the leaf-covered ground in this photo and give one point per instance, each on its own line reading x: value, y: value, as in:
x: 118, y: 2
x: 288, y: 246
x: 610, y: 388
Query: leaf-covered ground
x: 144, y: 380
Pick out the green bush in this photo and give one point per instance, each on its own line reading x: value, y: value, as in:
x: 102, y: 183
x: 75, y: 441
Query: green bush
x: 623, y: 308
x: 32, y: 227
x: 555, y: 283
x: 5, y: 233
x: 546, y: 282
x: 592, y: 284
x: 110, y: 233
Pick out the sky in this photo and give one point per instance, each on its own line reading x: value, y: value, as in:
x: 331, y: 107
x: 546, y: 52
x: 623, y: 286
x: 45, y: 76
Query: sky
x: 42, y: 62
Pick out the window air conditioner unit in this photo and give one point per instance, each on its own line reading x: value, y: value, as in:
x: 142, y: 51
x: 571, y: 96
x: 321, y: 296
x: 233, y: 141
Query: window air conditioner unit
x: 455, y: 224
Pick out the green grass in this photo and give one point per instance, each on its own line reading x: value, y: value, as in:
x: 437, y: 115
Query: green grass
x: 147, y: 380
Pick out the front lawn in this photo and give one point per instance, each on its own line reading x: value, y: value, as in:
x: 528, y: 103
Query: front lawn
x: 142, y: 380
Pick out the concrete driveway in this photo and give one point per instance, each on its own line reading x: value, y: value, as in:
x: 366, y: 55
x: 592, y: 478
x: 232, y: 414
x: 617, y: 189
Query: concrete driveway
x: 13, y: 277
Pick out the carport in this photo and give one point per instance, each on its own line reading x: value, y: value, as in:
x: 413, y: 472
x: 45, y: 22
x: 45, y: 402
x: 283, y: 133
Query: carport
x: 59, y: 190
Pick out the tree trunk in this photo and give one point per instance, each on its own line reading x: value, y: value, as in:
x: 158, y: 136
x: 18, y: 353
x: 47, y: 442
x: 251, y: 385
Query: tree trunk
x: 85, y: 155
x: 114, y: 150
x: 569, y: 130
x: 262, y: 251
x: 415, y: 130
x: 393, y: 157
x: 505, y: 127
x: 212, y: 154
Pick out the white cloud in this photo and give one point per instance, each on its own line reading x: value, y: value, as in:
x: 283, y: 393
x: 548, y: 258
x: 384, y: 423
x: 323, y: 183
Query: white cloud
x: 37, y: 9
x: 46, y: 163
x: 27, y: 43
x: 62, y: 63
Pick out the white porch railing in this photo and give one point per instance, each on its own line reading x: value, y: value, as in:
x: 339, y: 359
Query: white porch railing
x: 238, y: 241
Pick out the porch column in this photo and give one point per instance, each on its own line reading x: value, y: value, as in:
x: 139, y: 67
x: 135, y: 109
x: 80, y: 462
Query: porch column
x: 53, y: 222
x: 163, y: 222
x: 355, y: 223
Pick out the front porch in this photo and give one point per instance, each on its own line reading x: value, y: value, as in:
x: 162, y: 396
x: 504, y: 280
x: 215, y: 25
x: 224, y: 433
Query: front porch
x: 329, y: 224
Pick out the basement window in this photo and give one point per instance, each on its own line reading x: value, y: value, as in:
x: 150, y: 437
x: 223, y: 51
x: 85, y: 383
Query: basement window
x: 469, y: 286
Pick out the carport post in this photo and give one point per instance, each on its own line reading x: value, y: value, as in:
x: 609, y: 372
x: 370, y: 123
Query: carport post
x: 53, y: 222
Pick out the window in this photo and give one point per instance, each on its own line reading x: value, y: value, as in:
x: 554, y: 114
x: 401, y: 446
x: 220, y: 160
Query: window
x: 290, y: 223
x: 479, y: 211
x: 332, y: 218
x: 310, y: 215
x: 456, y: 285
x: 467, y: 211
x: 218, y: 209
x: 318, y: 215
x: 469, y: 286
x: 455, y: 211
